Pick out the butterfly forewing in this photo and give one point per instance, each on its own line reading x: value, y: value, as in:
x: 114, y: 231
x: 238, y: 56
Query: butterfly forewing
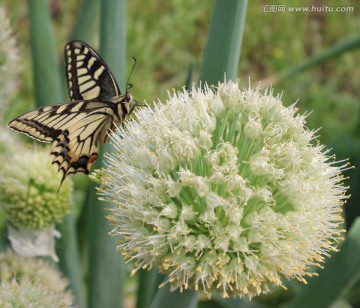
x: 74, y: 128
x: 87, y: 74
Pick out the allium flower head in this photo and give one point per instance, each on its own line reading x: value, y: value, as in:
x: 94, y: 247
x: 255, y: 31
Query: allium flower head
x: 28, y: 190
x: 29, y: 198
x: 28, y: 294
x: 225, y: 191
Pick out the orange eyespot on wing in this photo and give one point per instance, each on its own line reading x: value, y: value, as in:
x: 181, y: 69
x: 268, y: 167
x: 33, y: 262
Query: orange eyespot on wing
x: 92, y: 158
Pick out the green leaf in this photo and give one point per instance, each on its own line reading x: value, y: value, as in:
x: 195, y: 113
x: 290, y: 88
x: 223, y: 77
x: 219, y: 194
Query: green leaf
x: 222, y: 51
x: 341, y: 272
x: 106, y: 267
x: 341, y: 47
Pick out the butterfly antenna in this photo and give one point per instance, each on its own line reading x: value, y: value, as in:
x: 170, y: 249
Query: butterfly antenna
x: 129, y: 85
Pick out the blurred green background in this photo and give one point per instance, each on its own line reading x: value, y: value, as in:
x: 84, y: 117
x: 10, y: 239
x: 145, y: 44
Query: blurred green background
x: 167, y: 37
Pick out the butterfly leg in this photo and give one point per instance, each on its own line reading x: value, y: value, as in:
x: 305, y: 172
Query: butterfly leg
x: 137, y: 104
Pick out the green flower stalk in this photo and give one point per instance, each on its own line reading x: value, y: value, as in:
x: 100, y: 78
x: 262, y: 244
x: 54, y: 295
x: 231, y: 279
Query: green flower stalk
x: 225, y: 191
x: 28, y: 195
x: 26, y: 282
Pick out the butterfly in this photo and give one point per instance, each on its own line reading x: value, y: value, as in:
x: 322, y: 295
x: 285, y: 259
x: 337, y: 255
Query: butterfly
x: 77, y: 127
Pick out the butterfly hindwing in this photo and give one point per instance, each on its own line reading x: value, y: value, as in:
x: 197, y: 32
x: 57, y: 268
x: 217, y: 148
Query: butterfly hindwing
x: 88, y: 76
x: 76, y: 148
x: 39, y: 123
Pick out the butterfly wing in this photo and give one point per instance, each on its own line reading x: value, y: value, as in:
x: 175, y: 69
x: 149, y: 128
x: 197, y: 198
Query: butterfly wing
x: 43, y: 124
x: 88, y: 76
x: 76, y: 148
x: 74, y: 128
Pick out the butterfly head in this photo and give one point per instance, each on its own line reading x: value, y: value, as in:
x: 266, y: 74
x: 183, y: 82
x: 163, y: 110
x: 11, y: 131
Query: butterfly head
x: 124, y: 103
x: 127, y: 99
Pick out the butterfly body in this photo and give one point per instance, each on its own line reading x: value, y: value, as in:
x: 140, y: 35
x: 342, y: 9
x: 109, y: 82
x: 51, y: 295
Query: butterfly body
x: 77, y: 127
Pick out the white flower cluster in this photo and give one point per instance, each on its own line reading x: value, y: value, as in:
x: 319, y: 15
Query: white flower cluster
x: 30, y: 282
x: 224, y: 191
x: 9, y: 61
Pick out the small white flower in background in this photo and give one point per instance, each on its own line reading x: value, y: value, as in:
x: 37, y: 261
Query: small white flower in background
x: 29, y: 198
x: 8, y: 141
x: 9, y: 61
x: 30, y: 282
x: 225, y: 191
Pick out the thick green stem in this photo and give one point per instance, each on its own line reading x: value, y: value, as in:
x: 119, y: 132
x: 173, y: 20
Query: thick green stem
x: 68, y: 254
x: 147, y: 287
x: 164, y: 298
x: 86, y: 25
x: 47, y: 86
x: 87, y: 21
x: 106, y: 267
x: 222, y: 51
x: 47, y: 89
x: 113, y: 37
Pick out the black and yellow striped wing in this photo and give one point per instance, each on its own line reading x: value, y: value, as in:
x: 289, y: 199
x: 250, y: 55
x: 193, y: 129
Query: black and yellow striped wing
x: 75, y: 129
x: 88, y: 76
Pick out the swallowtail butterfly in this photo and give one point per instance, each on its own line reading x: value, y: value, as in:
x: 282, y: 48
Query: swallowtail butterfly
x: 77, y: 127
